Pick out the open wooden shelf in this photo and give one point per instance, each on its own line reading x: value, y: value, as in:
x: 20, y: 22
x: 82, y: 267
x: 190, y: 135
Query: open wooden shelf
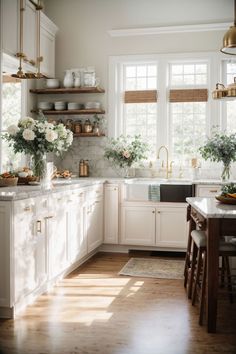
x: 70, y: 112
x: 88, y: 135
x: 68, y: 90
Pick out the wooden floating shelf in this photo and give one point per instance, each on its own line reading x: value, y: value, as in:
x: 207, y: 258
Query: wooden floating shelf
x: 68, y: 90
x: 88, y: 135
x: 70, y: 112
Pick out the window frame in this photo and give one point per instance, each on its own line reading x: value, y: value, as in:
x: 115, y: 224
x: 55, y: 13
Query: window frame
x: 215, y: 109
x: 10, y: 65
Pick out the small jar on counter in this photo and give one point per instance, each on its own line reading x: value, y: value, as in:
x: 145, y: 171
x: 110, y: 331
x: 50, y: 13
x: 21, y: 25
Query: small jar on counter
x: 78, y: 127
x: 88, y: 127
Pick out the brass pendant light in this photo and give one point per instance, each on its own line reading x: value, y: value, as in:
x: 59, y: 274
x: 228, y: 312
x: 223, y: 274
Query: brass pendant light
x: 20, y: 74
x: 229, y: 40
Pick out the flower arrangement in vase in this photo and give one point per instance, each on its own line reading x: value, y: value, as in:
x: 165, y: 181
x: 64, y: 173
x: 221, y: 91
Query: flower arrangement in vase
x: 124, y: 151
x: 36, y: 138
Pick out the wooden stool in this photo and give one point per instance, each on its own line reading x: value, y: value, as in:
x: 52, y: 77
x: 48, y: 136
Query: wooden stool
x: 199, y: 265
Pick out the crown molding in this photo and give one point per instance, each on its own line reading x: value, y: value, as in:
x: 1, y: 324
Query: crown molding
x: 222, y: 26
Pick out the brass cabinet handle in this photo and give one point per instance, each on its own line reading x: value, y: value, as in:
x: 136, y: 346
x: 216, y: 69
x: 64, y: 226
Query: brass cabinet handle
x: 27, y: 208
x: 49, y: 217
x: 39, y: 226
x: 213, y: 191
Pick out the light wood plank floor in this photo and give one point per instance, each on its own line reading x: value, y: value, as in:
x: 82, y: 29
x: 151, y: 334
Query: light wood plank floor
x: 94, y: 310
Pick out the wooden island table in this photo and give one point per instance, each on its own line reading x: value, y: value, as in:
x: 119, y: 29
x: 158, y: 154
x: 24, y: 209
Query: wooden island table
x: 216, y: 219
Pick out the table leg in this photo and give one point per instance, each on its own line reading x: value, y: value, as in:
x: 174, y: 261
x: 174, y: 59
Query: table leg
x: 213, y: 235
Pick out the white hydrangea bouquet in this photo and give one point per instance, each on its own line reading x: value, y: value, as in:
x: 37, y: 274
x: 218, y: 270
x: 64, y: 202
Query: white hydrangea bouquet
x: 38, y: 137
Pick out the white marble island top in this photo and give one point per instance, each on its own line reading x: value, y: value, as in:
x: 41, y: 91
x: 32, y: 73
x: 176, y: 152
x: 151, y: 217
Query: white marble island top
x: 209, y: 207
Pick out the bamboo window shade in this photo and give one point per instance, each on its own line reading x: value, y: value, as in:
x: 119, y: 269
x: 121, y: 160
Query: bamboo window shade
x: 140, y: 96
x: 188, y: 95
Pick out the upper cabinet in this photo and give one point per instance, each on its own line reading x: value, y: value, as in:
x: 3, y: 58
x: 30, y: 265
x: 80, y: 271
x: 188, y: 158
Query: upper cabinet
x: 48, y: 32
x: 10, y: 16
x: 10, y: 25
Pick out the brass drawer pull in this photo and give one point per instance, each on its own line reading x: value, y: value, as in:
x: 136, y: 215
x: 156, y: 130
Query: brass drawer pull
x: 27, y: 208
x: 213, y: 190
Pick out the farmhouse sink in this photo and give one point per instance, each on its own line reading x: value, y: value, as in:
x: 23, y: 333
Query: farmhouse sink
x: 163, y: 190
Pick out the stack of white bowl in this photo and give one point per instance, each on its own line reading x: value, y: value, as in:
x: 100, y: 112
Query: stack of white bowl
x: 74, y: 106
x: 60, y: 106
x: 92, y: 105
x: 45, y: 106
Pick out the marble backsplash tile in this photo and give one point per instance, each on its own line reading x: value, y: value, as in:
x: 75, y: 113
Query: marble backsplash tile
x: 92, y: 149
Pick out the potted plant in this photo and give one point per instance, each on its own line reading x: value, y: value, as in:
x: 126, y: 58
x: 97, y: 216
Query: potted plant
x: 124, y: 151
x: 220, y: 148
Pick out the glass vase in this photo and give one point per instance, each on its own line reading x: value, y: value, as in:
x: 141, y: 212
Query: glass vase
x: 38, y: 165
x: 225, y: 175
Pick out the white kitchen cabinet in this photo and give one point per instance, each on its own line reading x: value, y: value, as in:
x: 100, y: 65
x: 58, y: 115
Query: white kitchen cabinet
x: 29, y: 32
x: 48, y: 32
x: 138, y: 225
x: 5, y: 259
x: 77, y: 241
x: 10, y: 26
x: 10, y: 17
x: 30, y: 245
x: 57, y: 234
x: 111, y: 213
x: 171, y: 226
x: 207, y: 190
x: 162, y: 225
x: 94, y: 218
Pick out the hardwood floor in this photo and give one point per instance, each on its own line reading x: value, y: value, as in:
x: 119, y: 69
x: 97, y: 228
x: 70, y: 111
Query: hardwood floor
x: 94, y: 310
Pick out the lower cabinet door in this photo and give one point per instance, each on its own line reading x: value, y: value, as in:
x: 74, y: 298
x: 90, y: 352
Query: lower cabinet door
x: 57, y: 234
x: 171, y: 227
x: 138, y: 225
x: 77, y: 243
x: 94, y: 224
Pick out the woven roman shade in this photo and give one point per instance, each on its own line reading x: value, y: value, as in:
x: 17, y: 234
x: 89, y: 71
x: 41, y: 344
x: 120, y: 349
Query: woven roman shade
x: 139, y: 96
x: 188, y: 95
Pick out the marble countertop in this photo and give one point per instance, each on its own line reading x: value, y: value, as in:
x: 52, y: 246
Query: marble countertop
x: 26, y: 191
x: 31, y: 191
x: 209, y: 207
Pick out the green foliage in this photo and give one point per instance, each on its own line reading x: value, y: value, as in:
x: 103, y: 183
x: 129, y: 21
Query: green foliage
x: 228, y: 188
x: 126, y: 150
x: 220, y: 147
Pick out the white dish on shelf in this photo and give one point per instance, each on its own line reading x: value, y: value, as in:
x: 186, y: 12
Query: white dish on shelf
x: 60, y: 106
x: 45, y: 105
x: 73, y: 106
x: 52, y: 83
x: 92, y: 105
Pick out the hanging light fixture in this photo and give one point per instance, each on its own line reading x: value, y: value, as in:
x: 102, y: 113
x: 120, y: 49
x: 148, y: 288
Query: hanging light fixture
x: 229, y: 40
x: 20, y: 74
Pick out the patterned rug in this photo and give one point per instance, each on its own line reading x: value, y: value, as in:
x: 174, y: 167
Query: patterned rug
x: 154, y: 268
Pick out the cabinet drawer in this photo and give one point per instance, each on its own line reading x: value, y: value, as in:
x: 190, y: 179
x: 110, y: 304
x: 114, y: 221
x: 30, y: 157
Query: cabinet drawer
x: 208, y: 190
x: 25, y: 206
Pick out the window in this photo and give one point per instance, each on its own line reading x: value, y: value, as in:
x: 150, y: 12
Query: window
x: 140, y: 102
x: 11, y: 113
x: 183, y: 113
x: 229, y: 108
x: 188, y: 109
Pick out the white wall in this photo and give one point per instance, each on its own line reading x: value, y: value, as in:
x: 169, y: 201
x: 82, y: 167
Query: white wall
x: 83, y: 24
x: 83, y: 39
